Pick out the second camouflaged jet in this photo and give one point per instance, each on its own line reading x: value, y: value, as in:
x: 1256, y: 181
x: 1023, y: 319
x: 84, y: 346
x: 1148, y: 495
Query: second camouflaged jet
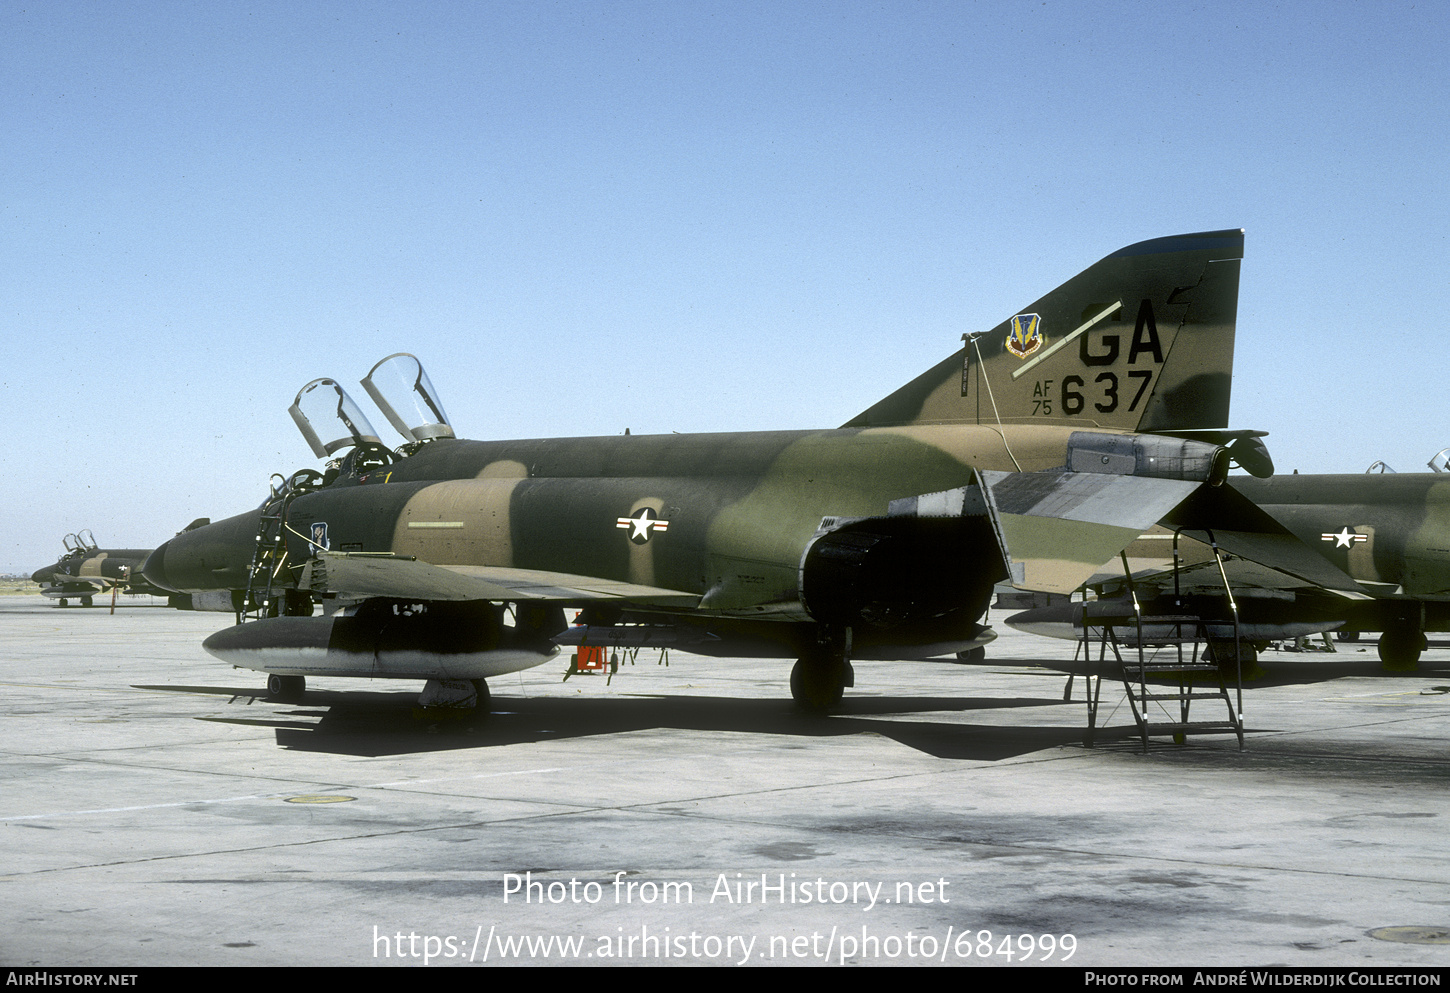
x: 1036, y: 452
x: 87, y: 570
x: 1383, y: 542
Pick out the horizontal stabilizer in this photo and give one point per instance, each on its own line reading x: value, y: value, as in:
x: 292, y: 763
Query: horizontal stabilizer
x: 1056, y: 528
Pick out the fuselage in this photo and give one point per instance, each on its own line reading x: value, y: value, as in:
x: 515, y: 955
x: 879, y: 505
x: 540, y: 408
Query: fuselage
x: 96, y: 569
x: 725, y: 516
x: 1389, y: 532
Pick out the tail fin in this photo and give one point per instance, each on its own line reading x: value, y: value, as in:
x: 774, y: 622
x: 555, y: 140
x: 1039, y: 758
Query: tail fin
x: 1141, y: 341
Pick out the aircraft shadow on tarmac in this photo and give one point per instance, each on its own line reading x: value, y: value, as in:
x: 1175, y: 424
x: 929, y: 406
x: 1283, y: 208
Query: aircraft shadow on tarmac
x: 1322, y: 670
x: 374, y: 724
x: 1304, y: 670
x: 377, y: 724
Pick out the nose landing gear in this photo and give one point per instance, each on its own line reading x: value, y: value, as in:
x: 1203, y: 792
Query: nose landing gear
x: 286, y: 689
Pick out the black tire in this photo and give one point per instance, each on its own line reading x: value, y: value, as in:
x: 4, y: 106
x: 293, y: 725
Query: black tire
x: 818, y: 681
x: 1221, y: 654
x: 1400, y: 648
x: 296, y: 604
x: 485, y: 699
x: 286, y: 689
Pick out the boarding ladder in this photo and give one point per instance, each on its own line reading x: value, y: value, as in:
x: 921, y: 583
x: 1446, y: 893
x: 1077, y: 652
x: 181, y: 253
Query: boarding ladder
x: 1185, y: 658
x: 269, y: 555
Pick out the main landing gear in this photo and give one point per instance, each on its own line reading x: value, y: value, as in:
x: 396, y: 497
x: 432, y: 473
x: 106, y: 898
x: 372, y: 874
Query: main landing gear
x: 1245, y: 668
x: 1400, y: 647
x: 821, y: 675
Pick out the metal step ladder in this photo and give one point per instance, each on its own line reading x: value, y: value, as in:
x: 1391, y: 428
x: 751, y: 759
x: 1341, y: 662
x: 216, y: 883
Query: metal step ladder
x: 1196, y: 673
x: 265, y: 585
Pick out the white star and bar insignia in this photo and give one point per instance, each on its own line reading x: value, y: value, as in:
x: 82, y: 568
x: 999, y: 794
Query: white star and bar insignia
x: 641, y: 524
x: 1343, y: 539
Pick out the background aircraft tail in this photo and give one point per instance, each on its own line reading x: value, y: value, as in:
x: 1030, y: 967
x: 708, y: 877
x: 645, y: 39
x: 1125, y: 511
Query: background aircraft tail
x: 1141, y: 341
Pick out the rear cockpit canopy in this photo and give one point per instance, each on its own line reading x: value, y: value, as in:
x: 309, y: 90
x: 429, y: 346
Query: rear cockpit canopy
x: 402, y: 391
x: 82, y: 543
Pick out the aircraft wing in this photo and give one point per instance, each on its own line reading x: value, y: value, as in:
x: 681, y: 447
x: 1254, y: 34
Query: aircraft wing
x: 1245, y: 530
x: 404, y: 578
x: 98, y: 583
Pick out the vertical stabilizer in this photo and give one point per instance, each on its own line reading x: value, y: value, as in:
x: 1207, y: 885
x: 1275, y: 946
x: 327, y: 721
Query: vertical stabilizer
x: 1141, y: 341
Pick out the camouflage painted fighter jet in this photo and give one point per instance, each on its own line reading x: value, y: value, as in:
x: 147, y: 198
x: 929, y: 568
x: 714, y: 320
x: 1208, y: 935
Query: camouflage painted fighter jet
x: 1383, y: 544
x: 1037, y: 451
x: 86, y: 571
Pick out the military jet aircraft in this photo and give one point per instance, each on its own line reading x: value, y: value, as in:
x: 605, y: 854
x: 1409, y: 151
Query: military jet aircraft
x: 1384, y: 545
x: 1036, y: 452
x: 87, y: 570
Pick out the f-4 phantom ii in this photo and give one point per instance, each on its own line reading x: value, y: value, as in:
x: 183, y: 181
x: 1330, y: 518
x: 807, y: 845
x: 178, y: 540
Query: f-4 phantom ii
x: 87, y: 570
x: 1036, y: 452
x: 1383, y: 545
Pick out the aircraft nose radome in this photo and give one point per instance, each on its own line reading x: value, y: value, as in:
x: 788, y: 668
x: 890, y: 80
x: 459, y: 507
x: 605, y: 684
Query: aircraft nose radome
x: 212, y: 557
x: 154, y: 568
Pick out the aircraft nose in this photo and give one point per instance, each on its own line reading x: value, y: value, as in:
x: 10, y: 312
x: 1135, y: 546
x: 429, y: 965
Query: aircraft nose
x: 154, y: 568
x: 212, y: 557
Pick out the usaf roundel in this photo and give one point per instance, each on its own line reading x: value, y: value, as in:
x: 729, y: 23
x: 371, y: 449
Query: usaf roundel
x: 641, y: 524
x: 1025, y: 336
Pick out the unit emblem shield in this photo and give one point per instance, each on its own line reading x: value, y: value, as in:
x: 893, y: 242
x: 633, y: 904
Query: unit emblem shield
x: 1026, y: 335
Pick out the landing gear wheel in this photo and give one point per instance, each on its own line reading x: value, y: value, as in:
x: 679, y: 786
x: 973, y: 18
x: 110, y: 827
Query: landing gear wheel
x: 296, y: 604
x: 973, y: 656
x: 1221, y: 654
x: 64, y: 602
x: 286, y: 689
x: 87, y: 602
x: 1400, y: 648
x: 452, y: 702
x: 819, y: 680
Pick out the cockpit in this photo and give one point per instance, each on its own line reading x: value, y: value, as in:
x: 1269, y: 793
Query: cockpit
x: 1439, y: 462
x: 80, y: 544
x: 323, y: 409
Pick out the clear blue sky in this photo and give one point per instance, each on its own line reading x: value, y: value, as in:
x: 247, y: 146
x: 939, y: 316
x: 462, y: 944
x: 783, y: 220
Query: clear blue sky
x: 674, y: 217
